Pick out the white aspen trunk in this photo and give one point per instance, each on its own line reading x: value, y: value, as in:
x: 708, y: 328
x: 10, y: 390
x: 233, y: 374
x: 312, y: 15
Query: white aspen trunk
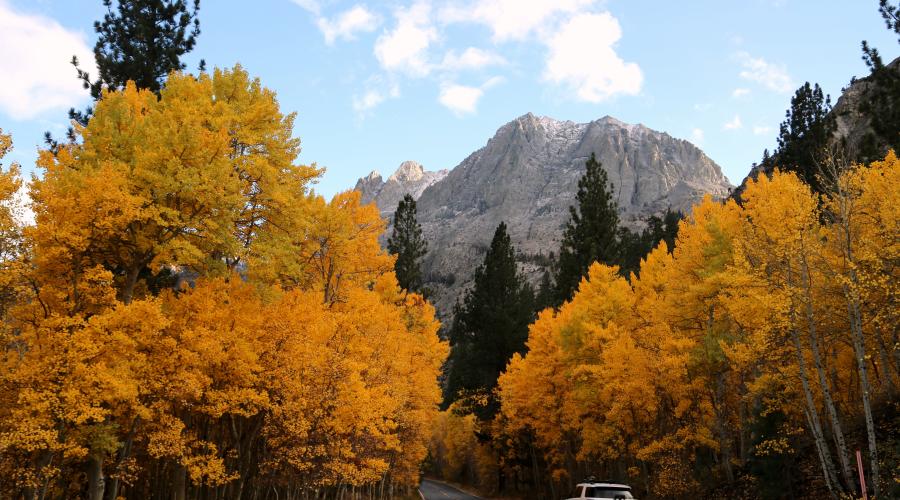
x: 812, y: 414
x: 96, y: 481
x: 813, y: 417
x: 823, y: 457
x: 859, y: 349
x: 845, y: 201
x: 840, y: 443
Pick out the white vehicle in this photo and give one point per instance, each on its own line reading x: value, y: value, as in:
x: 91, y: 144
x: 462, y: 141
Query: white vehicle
x: 601, y: 491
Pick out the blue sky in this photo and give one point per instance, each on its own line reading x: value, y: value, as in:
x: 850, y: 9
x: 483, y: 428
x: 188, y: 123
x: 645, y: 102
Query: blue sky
x: 377, y: 83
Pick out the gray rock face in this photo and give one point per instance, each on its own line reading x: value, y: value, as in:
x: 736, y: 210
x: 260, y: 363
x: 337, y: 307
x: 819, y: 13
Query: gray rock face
x: 410, y: 178
x: 527, y: 175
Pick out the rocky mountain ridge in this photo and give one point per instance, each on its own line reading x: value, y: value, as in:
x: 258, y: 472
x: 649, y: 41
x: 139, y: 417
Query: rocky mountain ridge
x: 527, y: 175
x: 410, y: 177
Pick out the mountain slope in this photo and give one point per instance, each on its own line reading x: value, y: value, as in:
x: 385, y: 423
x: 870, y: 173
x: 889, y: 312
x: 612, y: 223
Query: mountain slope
x: 527, y: 175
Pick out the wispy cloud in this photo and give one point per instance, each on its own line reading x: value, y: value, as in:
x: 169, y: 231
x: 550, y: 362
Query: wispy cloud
x: 471, y: 58
x: 377, y: 91
x: 405, y: 48
x: 463, y: 99
x: 511, y: 20
x: 740, y: 92
x: 35, y: 65
x: 310, y: 5
x: 761, y: 130
x: 345, y: 26
x: 580, y: 43
x: 770, y: 75
x: 697, y: 136
x: 734, y: 124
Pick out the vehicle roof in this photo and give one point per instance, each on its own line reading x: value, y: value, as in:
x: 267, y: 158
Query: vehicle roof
x: 603, y: 484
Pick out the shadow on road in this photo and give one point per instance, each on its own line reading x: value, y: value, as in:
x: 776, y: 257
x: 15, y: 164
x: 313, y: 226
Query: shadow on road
x: 434, y: 490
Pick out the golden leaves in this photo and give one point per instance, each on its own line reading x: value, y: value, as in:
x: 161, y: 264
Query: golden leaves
x: 187, y: 301
x: 668, y: 365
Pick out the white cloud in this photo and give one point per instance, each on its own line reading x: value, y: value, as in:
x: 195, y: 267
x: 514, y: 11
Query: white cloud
x: 35, y: 52
x: 405, y: 48
x: 376, y: 94
x: 581, y: 56
x: 471, y: 58
x: 310, y: 5
x: 512, y: 19
x: 761, y: 130
x: 734, y: 124
x: 771, y: 76
x: 463, y: 99
x: 460, y: 99
x: 740, y: 92
x: 493, y: 82
x: 697, y: 136
x: 345, y: 26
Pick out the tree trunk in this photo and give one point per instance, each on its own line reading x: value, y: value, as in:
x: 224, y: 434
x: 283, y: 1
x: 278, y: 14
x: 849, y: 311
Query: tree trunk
x: 130, y: 282
x: 179, y: 482
x: 96, y: 480
x: 842, y: 452
x: 724, y: 441
x: 813, y: 418
x: 112, y: 491
x: 859, y: 348
x: 844, y: 197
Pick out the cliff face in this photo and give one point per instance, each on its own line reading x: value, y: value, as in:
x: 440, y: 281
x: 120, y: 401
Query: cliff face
x: 410, y: 177
x: 527, y: 175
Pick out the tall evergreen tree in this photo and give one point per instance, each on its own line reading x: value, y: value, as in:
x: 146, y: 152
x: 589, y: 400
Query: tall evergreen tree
x: 490, y: 325
x: 882, y: 105
x: 591, y: 234
x: 544, y: 297
x: 407, y: 243
x: 636, y: 246
x: 138, y: 40
x: 805, y: 134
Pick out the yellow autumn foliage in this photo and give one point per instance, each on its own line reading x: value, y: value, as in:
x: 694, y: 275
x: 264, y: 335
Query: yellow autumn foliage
x: 662, y: 379
x: 187, y: 316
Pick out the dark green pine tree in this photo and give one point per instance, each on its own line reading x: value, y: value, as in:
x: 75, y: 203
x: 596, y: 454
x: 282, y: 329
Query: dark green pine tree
x: 407, y: 243
x: 636, y: 246
x: 882, y: 103
x: 489, y: 326
x: 545, y: 293
x: 805, y: 135
x: 591, y: 234
x: 138, y: 40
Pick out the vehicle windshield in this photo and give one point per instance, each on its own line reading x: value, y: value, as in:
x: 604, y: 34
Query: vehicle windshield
x: 607, y: 492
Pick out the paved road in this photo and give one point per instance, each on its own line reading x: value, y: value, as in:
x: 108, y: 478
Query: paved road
x: 433, y: 490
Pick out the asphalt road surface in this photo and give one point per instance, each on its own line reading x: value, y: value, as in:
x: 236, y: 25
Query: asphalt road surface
x: 433, y: 490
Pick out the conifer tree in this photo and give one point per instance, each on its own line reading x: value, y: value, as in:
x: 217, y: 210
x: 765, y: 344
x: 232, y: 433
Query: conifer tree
x: 805, y: 134
x: 490, y: 325
x: 407, y: 243
x: 882, y: 105
x: 544, y: 296
x: 636, y: 246
x: 591, y: 232
x: 139, y: 40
